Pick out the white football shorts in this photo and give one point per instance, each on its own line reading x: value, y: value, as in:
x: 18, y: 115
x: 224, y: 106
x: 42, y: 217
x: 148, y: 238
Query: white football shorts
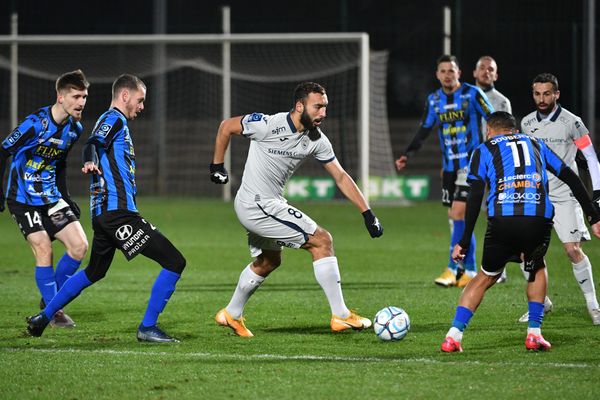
x: 273, y: 224
x: 569, y: 223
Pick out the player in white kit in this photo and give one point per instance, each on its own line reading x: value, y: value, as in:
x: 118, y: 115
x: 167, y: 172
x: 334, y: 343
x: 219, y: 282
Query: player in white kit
x: 564, y: 133
x: 278, y: 145
x: 486, y: 75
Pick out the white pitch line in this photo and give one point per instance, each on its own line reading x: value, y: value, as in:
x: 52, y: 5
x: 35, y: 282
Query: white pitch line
x: 308, y: 357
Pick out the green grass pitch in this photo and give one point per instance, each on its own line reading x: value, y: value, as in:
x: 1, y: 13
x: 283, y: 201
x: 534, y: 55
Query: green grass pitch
x: 293, y: 353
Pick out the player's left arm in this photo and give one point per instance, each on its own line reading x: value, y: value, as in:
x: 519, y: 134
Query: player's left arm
x: 349, y: 188
x: 584, y: 144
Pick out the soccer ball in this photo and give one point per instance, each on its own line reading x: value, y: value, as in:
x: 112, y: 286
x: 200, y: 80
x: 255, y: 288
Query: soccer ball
x: 391, y: 323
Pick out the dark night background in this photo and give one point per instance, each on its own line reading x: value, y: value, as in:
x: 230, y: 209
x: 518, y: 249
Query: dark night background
x: 525, y: 37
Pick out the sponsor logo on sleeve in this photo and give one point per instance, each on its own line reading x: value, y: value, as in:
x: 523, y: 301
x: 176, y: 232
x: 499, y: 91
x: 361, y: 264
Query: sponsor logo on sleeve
x: 254, y: 117
x: 103, y: 130
x: 14, y: 136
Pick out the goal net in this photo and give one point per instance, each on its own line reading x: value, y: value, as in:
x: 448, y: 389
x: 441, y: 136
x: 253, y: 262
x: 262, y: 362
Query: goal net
x: 174, y: 136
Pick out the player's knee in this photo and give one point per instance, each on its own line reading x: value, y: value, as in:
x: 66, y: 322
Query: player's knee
x: 95, y: 274
x: 42, y: 252
x: 177, y: 264
x: 79, y: 250
x: 324, y: 239
x: 266, y: 262
x: 575, y: 254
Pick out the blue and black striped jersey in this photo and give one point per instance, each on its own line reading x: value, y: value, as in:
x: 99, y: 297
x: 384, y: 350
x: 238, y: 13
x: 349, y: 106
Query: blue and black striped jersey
x: 458, y: 117
x: 514, y: 167
x: 38, y: 145
x: 115, y: 189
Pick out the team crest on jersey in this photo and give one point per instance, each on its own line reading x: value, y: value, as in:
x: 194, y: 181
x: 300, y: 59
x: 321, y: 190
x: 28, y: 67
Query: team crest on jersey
x: 44, y: 123
x: 304, y: 142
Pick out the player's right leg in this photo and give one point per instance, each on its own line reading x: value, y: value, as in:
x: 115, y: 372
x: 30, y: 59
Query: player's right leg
x: 536, y: 291
x: 249, y: 281
x: 270, y: 225
x: 467, y: 305
x: 100, y: 259
x: 31, y: 223
x: 37, y: 227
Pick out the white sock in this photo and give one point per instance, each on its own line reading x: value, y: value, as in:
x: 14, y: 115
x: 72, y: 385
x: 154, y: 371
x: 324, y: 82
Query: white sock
x: 535, y: 331
x: 455, y: 334
x: 583, y: 274
x: 247, y: 284
x: 327, y: 273
x: 547, y: 302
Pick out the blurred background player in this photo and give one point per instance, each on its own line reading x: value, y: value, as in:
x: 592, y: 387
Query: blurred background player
x: 486, y: 75
x: 110, y: 157
x: 278, y: 145
x: 37, y: 193
x: 564, y: 133
x: 457, y: 109
x: 513, y: 165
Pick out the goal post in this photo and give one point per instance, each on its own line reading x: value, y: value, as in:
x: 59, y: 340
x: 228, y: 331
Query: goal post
x: 263, y: 70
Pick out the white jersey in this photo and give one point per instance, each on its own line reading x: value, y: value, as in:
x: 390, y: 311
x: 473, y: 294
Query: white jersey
x: 559, y: 130
x: 277, y: 149
x: 499, y: 101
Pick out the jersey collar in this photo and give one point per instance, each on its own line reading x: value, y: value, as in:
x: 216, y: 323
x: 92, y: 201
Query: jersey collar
x: 291, y: 123
x: 553, y: 115
x: 119, y: 111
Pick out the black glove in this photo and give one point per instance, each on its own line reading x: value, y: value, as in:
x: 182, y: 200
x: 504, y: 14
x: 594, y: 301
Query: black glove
x: 372, y: 223
x: 218, y: 174
x: 73, y: 206
x: 596, y: 199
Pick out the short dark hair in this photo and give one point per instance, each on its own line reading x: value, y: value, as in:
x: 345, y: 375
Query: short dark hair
x: 547, y: 78
x: 447, y: 58
x: 304, y: 89
x: 126, y: 81
x: 72, y: 80
x: 502, y: 121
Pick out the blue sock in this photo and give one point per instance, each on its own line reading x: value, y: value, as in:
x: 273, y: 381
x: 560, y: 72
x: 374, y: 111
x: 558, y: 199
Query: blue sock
x: 67, y: 293
x: 536, y: 314
x: 46, y: 282
x: 457, y: 232
x: 65, y: 268
x: 163, y: 288
x: 469, y: 261
x: 461, y: 318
